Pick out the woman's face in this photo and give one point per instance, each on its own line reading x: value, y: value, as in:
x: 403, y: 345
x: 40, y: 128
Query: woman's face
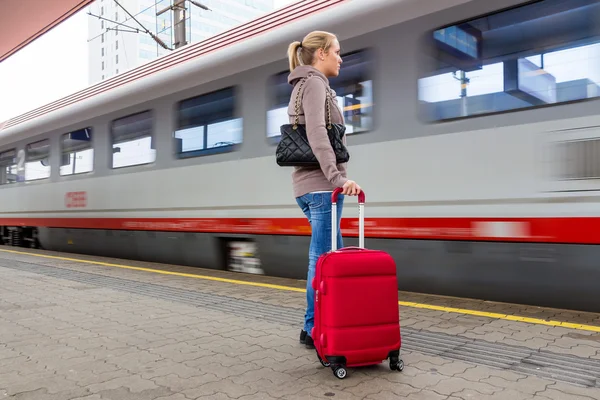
x: 331, y: 61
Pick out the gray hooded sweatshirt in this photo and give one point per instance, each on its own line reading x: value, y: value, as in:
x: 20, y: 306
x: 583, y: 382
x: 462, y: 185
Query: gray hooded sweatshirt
x: 313, y: 113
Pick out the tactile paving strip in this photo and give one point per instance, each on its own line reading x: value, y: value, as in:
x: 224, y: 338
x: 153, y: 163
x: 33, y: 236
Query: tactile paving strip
x: 560, y: 367
x: 568, y: 368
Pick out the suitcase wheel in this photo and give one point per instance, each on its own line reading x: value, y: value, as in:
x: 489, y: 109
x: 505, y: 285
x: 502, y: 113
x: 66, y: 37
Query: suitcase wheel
x: 323, y: 363
x: 340, y: 372
x: 396, y: 364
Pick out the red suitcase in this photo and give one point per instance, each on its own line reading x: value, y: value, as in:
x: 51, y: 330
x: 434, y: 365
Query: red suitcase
x: 357, y: 319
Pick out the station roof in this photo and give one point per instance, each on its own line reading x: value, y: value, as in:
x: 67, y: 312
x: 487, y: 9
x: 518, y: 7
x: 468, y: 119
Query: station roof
x: 23, y: 21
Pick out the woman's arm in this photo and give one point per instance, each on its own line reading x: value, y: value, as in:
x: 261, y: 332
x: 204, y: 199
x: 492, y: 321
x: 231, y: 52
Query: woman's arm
x: 313, y: 103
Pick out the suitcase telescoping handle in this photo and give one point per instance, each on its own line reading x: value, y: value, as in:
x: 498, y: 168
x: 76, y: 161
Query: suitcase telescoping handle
x: 361, y: 218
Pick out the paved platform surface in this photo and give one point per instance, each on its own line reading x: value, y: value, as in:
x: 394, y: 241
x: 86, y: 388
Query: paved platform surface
x: 75, y: 330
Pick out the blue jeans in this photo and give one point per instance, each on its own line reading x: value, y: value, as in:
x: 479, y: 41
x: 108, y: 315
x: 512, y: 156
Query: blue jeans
x: 317, y: 208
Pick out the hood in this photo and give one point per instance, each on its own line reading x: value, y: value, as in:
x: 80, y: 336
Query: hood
x: 302, y: 71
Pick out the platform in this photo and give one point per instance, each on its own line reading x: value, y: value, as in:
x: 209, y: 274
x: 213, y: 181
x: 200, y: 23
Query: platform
x: 82, y: 327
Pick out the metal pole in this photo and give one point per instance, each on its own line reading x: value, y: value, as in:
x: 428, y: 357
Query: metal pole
x: 179, y: 19
x: 464, y: 81
x: 179, y: 34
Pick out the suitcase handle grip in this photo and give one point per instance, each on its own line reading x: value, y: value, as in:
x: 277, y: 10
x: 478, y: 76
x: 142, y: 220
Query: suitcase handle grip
x: 361, y: 218
x: 337, y: 191
x: 352, y: 248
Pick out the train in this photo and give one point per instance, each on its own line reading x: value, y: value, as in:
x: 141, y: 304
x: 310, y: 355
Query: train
x: 472, y: 126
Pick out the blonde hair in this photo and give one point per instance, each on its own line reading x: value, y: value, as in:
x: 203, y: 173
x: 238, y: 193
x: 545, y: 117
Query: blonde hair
x: 302, y: 53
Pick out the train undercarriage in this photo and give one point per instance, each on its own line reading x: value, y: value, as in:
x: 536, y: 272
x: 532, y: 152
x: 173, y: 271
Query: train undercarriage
x: 20, y: 236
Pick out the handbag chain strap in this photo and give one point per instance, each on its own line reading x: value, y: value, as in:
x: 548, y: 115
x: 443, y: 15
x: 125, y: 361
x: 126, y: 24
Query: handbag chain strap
x: 297, y: 106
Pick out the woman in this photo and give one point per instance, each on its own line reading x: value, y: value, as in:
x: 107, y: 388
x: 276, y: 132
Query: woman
x: 317, y: 58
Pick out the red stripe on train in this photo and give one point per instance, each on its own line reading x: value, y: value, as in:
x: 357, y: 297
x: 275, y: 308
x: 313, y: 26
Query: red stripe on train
x: 554, y: 230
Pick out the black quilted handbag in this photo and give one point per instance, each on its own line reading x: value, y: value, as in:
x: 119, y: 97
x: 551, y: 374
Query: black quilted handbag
x: 294, y: 150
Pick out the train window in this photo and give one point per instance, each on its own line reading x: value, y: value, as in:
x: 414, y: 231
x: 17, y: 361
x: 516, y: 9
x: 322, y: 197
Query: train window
x: 37, y: 160
x: 132, y: 140
x: 77, y: 153
x: 540, y: 54
x: 207, y: 124
x: 353, y: 87
x: 8, y: 167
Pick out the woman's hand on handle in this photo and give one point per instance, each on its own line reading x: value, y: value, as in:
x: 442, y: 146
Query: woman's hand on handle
x: 351, y: 188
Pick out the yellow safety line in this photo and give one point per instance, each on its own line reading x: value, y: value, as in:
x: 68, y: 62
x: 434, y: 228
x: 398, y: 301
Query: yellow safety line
x: 538, y: 321
x: 159, y: 271
x: 508, y: 317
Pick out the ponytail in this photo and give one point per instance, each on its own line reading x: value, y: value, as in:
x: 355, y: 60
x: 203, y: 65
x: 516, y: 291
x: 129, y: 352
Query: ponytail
x: 293, y: 55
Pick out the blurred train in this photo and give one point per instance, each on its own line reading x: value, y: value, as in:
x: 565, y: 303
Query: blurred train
x: 473, y: 127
